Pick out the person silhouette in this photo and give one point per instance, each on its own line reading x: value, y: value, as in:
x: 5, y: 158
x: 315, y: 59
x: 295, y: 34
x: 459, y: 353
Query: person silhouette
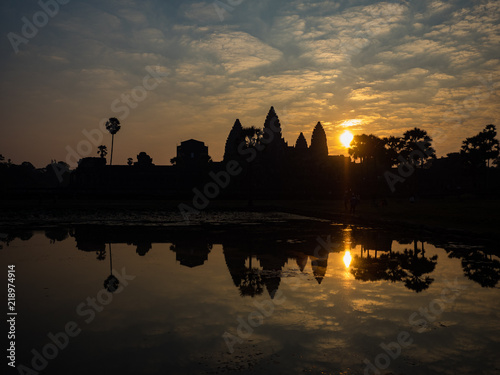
x: 354, y: 202
x: 347, y: 197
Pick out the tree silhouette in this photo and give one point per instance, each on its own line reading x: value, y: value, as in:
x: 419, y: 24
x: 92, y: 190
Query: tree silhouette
x: 102, y: 151
x: 130, y: 161
x: 251, y: 139
x: 367, y: 148
x: 2, y: 158
x: 481, y: 148
x: 415, y: 143
x: 27, y: 165
x: 144, y: 159
x: 112, y: 125
x: 393, y: 146
x: 251, y: 136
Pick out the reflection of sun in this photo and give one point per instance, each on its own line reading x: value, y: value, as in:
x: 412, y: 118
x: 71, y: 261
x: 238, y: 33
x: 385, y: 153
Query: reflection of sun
x: 347, y: 258
x: 346, y: 138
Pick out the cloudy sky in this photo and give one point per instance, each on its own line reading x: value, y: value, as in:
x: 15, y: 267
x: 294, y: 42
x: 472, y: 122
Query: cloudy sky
x: 372, y: 67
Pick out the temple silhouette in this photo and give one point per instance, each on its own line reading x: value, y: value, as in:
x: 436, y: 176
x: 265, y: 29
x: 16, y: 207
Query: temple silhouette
x: 270, y: 167
x: 258, y: 163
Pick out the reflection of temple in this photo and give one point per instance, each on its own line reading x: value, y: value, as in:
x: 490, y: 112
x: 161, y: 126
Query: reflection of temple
x: 191, y: 254
x: 143, y: 247
x: 301, y: 260
x: 272, y: 265
x: 251, y: 280
x: 256, y: 263
x: 271, y: 261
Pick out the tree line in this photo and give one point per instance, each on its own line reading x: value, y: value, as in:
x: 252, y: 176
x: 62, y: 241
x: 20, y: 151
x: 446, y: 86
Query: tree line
x: 415, y: 147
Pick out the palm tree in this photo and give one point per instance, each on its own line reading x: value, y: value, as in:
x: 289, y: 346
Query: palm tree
x: 112, y: 125
x: 102, y: 151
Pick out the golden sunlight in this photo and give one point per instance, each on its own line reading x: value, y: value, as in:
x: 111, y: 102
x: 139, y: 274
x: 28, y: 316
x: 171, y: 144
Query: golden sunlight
x: 347, y: 258
x: 352, y: 122
x: 346, y: 138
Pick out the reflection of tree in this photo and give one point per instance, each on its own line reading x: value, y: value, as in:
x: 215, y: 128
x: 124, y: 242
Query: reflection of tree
x: 101, y: 254
x: 247, y: 279
x: 407, y: 267
x: 478, y: 265
x: 415, y: 267
x: 111, y: 283
x: 251, y: 284
x: 23, y: 235
x: 56, y: 234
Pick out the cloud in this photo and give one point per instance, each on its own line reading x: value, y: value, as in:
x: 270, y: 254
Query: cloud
x: 237, y: 51
x: 393, y: 65
x: 203, y: 12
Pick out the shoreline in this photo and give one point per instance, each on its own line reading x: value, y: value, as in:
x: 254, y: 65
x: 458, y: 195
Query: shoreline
x: 465, y: 218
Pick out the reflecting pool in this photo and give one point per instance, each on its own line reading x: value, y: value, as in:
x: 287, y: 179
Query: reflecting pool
x: 285, y: 296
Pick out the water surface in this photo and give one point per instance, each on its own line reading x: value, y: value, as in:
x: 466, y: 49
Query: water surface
x: 289, y: 295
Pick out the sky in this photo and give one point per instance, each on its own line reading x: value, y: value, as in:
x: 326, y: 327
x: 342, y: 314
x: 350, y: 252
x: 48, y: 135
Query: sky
x: 176, y: 70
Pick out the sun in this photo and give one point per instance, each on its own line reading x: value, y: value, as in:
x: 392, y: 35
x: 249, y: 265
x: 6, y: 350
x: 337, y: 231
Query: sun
x: 346, y: 138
